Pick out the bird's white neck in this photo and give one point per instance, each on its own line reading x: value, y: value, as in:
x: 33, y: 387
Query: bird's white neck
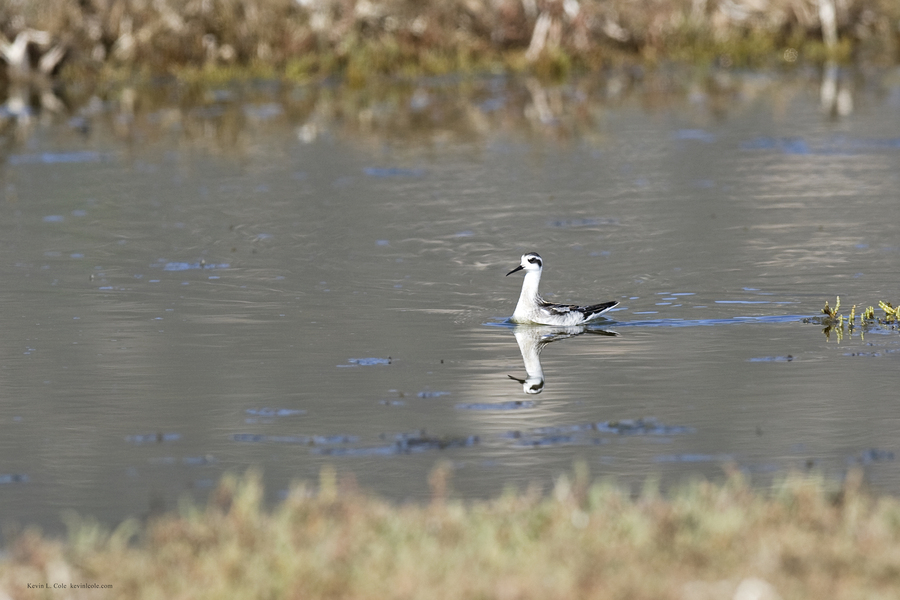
x: 529, y: 296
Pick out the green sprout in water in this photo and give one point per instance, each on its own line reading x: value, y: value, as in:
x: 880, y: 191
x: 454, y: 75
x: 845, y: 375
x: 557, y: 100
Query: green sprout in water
x: 833, y: 320
x: 832, y: 313
x: 891, y: 314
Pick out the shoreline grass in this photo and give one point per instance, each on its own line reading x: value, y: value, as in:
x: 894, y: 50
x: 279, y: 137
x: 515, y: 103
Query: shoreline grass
x: 358, y: 40
x: 805, y: 537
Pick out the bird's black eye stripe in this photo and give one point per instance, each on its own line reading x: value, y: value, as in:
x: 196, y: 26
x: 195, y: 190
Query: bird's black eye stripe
x: 533, y: 260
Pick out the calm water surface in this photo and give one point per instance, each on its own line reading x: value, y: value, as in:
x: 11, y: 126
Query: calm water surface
x: 194, y: 290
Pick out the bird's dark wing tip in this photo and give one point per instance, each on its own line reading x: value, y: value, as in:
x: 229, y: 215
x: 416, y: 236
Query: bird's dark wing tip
x: 596, y: 309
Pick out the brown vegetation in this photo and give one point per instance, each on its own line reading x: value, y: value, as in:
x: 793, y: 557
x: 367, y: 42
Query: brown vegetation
x: 359, y: 38
x: 803, y: 539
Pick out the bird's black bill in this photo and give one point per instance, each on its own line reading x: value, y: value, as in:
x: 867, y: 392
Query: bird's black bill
x: 519, y: 268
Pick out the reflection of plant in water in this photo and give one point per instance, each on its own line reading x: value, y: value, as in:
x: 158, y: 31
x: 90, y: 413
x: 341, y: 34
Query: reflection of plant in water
x: 834, y: 321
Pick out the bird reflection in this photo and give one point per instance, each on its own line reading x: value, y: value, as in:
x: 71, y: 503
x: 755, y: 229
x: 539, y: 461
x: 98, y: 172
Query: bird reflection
x: 533, y: 338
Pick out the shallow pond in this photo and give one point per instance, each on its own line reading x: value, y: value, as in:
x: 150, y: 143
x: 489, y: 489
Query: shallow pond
x: 290, y: 279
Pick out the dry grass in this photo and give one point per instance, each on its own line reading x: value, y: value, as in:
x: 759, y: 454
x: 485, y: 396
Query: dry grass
x: 802, y: 539
x: 362, y: 38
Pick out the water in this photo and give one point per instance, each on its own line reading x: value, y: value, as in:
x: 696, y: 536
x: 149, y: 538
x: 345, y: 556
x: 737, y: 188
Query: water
x: 291, y: 279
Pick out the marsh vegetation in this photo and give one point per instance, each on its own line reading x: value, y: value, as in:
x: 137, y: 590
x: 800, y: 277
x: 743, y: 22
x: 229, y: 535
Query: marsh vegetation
x: 803, y: 538
x: 362, y: 39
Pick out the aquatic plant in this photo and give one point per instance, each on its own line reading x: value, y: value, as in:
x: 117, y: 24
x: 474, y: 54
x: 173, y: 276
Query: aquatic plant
x: 891, y: 314
x: 833, y: 314
x: 833, y: 320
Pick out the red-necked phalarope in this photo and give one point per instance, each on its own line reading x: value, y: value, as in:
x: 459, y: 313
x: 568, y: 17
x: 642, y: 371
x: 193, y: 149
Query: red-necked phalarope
x: 534, y: 309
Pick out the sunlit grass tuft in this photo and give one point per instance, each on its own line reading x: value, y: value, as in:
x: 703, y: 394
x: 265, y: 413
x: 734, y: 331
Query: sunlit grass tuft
x: 833, y: 319
x: 805, y: 538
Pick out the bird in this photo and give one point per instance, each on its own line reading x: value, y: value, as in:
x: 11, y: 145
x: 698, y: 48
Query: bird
x: 534, y: 309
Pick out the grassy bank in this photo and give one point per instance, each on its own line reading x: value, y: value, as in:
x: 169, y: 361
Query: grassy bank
x: 359, y: 39
x: 802, y: 539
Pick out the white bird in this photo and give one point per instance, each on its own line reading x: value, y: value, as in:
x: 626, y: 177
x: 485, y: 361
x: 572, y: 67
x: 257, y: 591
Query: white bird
x: 534, y: 309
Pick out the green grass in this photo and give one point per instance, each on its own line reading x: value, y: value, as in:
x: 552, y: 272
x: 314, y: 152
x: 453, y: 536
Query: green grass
x: 804, y: 538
